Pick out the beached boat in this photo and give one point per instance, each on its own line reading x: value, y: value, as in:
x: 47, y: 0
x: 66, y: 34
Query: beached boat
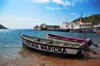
x: 97, y: 31
x: 62, y: 38
x: 51, y: 46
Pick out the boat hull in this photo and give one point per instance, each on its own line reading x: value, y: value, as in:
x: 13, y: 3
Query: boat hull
x: 50, y: 48
x: 98, y: 32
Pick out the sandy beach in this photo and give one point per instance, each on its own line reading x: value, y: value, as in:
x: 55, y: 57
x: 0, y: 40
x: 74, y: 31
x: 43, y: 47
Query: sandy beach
x: 30, y: 57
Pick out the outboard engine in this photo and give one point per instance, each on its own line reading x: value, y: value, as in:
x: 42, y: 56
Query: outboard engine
x: 87, y: 44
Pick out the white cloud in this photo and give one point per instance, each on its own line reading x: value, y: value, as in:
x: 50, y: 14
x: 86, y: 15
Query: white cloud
x: 63, y: 2
x: 15, y: 22
x: 62, y: 8
x: 40, y: 1
x: 16, y: 18
x: 66, y: 8
x: 55, y: 8
x: 47, y: 7
x: 50, y: 8
x: 58, y: 8
x: 20, y: 24
x: 80, y: 1
x: 11, y: 16
x: 73, y: 14
x: 57, y: 1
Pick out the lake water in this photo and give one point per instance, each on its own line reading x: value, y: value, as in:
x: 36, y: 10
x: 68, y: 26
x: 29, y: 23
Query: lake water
x: 14, y: 53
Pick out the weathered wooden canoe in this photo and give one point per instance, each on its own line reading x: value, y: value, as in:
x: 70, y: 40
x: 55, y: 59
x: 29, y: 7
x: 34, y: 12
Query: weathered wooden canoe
x: 62, y: 38
x: 51, y: 46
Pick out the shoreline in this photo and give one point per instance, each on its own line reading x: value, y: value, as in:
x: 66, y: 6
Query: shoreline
x: 86, y: 30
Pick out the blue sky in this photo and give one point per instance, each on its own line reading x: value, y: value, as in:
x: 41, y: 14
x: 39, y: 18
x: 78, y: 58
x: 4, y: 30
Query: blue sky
x: 25, y: 14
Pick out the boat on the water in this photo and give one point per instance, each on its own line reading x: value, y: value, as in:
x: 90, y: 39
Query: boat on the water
x: 57, y: 47
x: 97, y: 31
x: 62, y: 38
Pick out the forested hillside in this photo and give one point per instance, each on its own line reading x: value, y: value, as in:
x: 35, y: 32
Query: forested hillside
x: 94, y: 19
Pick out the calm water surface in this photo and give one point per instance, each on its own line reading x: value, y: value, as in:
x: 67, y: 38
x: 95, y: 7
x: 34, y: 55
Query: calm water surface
x: 13, y: 53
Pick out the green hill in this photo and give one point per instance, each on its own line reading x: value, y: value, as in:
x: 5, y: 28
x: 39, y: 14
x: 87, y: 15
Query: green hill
x: 94, y: 19
x: 2, y: 27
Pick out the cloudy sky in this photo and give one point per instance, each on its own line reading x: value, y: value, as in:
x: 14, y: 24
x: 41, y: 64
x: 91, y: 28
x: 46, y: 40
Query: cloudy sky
x: 25, y: 14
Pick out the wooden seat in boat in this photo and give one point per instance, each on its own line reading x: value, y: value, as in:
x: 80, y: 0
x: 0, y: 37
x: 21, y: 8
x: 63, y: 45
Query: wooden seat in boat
x: 50, y: 42
x: 62, y: 44
x: 36, y: 39
x: 77, y: 46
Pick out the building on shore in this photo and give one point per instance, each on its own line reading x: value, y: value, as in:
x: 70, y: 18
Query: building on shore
x: 95, y: 26
x: 80, y: 25
x: 47, y: 27
x: 65, y: 25
x: 76, y: 25
x: 37, y: 27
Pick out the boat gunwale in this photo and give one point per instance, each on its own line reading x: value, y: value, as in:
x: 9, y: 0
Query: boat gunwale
x: 65, y: 37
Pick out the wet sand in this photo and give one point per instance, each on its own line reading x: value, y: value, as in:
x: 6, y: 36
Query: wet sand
x: 30, y: 57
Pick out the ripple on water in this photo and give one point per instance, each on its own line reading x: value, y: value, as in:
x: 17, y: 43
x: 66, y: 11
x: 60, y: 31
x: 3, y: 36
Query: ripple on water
x: 13, y: 53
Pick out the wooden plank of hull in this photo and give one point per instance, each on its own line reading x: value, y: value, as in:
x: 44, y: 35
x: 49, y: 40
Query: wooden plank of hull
x: 49, y: 48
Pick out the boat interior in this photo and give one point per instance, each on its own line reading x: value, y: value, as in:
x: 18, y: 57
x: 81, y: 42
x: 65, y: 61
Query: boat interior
x: 47, y: 41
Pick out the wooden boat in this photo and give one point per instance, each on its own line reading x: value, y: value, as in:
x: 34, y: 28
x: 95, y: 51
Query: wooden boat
x: 52, y: 46
x: 97, y: 31
x: 62, y: 38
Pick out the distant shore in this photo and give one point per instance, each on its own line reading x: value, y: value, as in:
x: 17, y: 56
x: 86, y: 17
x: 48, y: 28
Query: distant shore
x: 87, y: 30
x: 2, y: 27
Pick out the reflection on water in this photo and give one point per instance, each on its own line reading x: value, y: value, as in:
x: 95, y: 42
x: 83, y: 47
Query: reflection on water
x: 13, y: 53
